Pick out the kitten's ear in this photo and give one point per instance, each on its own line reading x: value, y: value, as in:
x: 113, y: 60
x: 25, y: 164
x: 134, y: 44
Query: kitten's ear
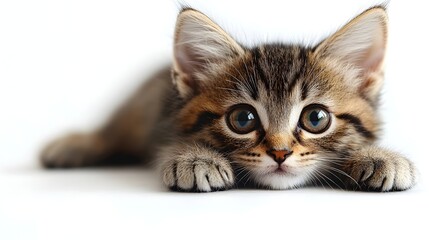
x: 362, y: 44
x: 199, y: 44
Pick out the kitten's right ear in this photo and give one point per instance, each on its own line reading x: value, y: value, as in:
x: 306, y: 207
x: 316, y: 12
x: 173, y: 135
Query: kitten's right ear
x: 199, y: 44
x: 361, y: 43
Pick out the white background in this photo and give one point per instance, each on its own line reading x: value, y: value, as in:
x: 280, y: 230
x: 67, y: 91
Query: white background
x: 65, y: 65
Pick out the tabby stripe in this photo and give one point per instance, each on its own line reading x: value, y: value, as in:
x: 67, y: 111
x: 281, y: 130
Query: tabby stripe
x: 297, y: 135
x: 343, y: 153
x: 205, y: 118
x: 328, y: 148
x: 219, y: 137
x: 175, y: 173
x: 256, y: 53
x: 261, y: 137
x: 304, y: 90
x: 228, y: 144
x: 298, y: 74
x: 357, y: 124
x: 254, y: 92
x: 372, y: 102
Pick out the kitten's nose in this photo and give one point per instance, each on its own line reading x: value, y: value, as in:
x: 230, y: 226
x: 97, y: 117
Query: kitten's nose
x: 279, y: 155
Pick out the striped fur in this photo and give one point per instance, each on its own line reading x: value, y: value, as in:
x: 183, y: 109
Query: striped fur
x: 197, y: 150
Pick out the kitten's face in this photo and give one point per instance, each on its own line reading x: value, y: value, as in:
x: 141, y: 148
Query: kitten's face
x: 281, y: 98
x: 283, y: 114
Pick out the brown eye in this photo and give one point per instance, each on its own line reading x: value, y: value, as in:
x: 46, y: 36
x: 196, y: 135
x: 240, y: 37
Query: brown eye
x: 315, y: 119
x: 242, y: 119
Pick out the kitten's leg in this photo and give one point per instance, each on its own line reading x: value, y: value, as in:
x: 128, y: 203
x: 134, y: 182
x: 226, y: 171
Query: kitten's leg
x: 377, y: 169
x: 74, y: 150
x: 130, y: 131
x: 193, y: 167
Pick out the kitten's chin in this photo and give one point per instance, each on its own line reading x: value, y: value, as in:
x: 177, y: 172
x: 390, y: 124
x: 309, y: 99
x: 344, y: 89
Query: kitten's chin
x: 281, y: 180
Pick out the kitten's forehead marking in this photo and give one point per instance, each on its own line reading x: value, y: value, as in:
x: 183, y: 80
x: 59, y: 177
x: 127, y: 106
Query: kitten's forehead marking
x: 282, y: 113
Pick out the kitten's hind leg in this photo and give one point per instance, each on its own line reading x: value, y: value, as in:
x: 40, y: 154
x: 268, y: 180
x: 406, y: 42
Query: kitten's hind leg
x: 75, y: 150
x: 195, y: 168
x: 378, y: 169
x: 124, y: 138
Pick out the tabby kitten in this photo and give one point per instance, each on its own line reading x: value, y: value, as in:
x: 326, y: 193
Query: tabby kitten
x: 277, y: 115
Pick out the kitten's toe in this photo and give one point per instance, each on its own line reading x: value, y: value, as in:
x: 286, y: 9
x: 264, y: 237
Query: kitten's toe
x: 406, y: 174
x: 211, y: 177
x: 361, y: 170
x: 382, y: 177
x: 198, y: 175
x: 377, y: 169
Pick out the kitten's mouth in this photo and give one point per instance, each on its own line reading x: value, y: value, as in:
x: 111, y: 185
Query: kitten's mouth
x: 282, y: 170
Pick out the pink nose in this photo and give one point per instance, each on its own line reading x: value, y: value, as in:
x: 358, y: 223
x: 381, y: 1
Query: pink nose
x: 279, y: 155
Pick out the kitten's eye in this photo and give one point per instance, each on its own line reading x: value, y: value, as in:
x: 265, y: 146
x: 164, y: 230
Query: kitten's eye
x: 315, y: 119
x: 242, y: 119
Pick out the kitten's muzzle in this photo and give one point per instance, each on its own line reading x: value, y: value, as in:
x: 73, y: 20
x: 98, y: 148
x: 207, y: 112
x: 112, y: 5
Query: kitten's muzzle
x: 279, y: 155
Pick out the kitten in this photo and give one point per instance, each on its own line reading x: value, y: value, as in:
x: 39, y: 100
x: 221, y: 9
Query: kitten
x: 277, y: 115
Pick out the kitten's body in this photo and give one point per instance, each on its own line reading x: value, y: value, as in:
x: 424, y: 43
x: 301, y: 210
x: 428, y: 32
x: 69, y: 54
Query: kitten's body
x: 193, y: 126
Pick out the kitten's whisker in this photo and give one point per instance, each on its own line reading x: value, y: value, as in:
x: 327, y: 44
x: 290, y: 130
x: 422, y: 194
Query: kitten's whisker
x: 246, y: 175
x: 239, y: 72
x: 325, y: 178
x: 239, y: 176
x: 248, y: 178
x: 244, y: 82
x: 311, y: 178
x: 241, y: 169
x: 330, y: 172
x: 229, y: 89
x: 235, y: 78
x: 247, y: 83
x: 337, y: 161
x: 317, y: 178
x: 343, y: 173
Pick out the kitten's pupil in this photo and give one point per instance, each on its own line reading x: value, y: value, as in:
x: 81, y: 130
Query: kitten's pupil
x: 315, y: 117
x: 244, y: 118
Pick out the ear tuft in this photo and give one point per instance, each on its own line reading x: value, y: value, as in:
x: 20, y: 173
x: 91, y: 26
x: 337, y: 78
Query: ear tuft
x: 361, y: 43
x: 198, y: 44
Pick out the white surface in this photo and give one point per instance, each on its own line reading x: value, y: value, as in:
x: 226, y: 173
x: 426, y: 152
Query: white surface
x: 62, y: 63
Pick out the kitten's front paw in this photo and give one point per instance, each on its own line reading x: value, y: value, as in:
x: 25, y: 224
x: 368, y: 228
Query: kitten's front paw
x: 198, y: 174
x: 377, y: 169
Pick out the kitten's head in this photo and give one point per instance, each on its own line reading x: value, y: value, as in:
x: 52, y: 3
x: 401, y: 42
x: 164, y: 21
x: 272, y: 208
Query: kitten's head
x: 282, y: 113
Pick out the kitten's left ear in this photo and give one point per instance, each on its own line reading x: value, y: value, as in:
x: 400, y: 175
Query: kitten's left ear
x: 199, y: 45
x: 361, y: 43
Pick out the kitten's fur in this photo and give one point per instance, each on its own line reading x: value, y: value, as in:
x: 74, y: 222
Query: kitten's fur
x: 186, y: 119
